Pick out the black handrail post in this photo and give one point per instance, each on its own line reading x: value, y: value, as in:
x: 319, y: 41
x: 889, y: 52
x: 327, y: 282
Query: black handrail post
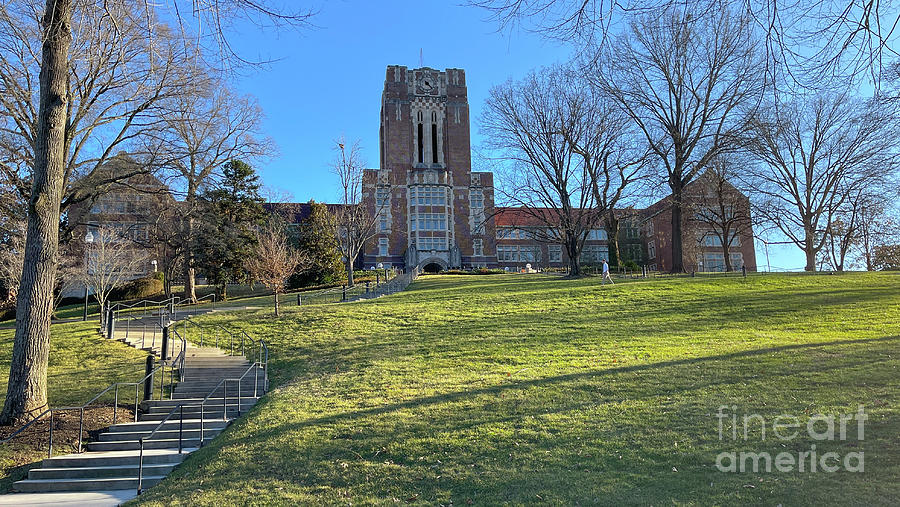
x: 116, y: 404
x: 135, y: 401
x: 180, y: 426
x: 110, y: 324
x: 164, y: 351
x: 50, y: 449
x: 201, y: 422
x: 140, y: 465
x: 148, y: 378
x: 224, y: 399
x: 81, y: 429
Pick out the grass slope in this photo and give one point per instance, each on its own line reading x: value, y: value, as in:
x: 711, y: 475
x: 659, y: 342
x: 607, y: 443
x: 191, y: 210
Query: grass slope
x: 530, y: 389
x: 82, y: 364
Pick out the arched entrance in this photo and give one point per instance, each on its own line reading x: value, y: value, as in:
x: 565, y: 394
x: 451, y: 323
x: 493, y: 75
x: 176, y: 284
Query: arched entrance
x: 433, y: 265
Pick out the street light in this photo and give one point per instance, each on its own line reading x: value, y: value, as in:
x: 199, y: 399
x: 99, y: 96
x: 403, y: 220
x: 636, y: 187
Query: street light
x: 88, y: 240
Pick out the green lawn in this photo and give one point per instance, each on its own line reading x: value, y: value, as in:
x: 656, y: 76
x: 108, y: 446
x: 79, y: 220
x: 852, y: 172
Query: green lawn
x: 82, y: 364
x: 529, y: 389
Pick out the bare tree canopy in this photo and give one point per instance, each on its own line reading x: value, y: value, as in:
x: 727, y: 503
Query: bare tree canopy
x: 815, y: 153
x: 355, y: 223
x: 534, y: 126
x: 58, y: 26
x: 690, y: 84
x: 274, y: 259
x: 804, y: 41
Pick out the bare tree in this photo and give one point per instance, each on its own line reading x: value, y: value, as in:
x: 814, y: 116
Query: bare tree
x: 203, y: 131
x: 111, y: 258
x: 815, y: 153
x: 804, y: 42
x: 274, y: 259
x: 719, y: 207
x: 688, y: 81
x: 27, y: 387
x: 532, y: 125
x: 355, y: 223
x: 879, y: 224
x: 603, y: 136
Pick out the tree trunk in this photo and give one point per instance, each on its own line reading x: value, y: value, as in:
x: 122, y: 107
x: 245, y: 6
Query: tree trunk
x: 726, y: 252
x: 26, y: 394
x: 190, y: 291
x: 572, y: 252
x: 276, y: 304
x: 677, y: 240
x: 612, y: 234
x: 810, y: 251
x: 349, y: 273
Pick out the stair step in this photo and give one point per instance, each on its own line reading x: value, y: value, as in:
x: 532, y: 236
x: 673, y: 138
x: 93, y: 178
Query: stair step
x: 113, y: 458
x: 188, y: 424
x: 46, y: 485
x: 163, y: 434
x: 129, y: 445
x: 97, y: 472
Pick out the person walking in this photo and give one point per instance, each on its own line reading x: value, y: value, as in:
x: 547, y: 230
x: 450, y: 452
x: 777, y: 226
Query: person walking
x: 606, y: 274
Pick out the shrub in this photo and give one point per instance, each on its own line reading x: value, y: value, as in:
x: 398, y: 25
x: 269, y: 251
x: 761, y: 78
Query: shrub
x: 631, y: 265
x: 147, y: 286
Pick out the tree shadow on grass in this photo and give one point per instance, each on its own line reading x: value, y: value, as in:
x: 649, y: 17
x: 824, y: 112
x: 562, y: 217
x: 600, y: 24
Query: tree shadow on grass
x: 600, y: 436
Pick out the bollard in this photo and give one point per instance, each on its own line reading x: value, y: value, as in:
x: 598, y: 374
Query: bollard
x: 110, y: 324
x: 164, y: 349
x: 299, y: 302
x: 744, y: 271
x: 344, y: 294
x: 148, y: 380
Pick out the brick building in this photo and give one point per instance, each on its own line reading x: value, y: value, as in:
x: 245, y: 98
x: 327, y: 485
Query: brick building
x: 436, y: 213
x: 431, y: 205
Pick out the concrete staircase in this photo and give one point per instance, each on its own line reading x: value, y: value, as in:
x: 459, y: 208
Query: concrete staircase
x: 111, y: 462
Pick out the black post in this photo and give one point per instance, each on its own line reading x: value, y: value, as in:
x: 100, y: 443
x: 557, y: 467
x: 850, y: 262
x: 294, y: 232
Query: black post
x: 299, y: 302
x: 164, y: 351
x: 377, y: 278
x: 344, y: 294
x: 84, y: 318
x: 110, y: 323
x: 148, y: 379
x: 744, y: 271
x: 367, y: 287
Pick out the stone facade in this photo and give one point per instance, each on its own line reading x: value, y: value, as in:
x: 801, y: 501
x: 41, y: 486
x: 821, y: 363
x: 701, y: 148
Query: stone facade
x: 431, y: 206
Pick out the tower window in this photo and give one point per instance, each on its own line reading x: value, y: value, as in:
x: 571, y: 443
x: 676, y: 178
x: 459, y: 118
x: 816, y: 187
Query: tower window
x: 421, y: 147
x: 434, y: 157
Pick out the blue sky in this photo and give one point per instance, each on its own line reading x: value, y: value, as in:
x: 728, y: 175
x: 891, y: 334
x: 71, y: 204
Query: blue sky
x: 327, y: 81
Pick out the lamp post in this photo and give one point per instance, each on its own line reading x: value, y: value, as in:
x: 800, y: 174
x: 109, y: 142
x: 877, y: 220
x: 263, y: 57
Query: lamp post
x: 88, y: 240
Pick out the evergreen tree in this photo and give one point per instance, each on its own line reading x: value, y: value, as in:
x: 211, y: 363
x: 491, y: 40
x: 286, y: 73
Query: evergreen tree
x: 230, y: 214
x: 316, y: 239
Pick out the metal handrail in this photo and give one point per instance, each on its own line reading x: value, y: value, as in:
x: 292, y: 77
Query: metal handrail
x: 181, y: 406
x: 81, y: 408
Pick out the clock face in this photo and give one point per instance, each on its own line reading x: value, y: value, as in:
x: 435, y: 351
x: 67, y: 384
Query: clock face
x: 427, y: 83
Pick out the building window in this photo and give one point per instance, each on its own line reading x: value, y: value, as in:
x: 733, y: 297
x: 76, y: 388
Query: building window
x: 477, y: 247
x: 382, y: 197
x: 505, y: 232
x: 507, y: 253
x: 434, y: 150
x: 597, y: 235
x: 650, y: 228
x: 633, y: 251
x: 432, y: 244
x: 713, y: 262
x: 594, y: 254
x: 421, y: 146
x: 428, y: 195
x: 382, y: 247
x: 530, y: 253
x: 432, y: 221
x: 737, y: 261
x: 632, y: 231
x: 651, y: 249
x: 476, y: 199
x: 412, y: 222
x: 555, y: 253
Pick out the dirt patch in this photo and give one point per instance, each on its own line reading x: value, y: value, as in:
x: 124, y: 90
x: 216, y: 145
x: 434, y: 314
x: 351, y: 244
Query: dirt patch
x: 29, y: 447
